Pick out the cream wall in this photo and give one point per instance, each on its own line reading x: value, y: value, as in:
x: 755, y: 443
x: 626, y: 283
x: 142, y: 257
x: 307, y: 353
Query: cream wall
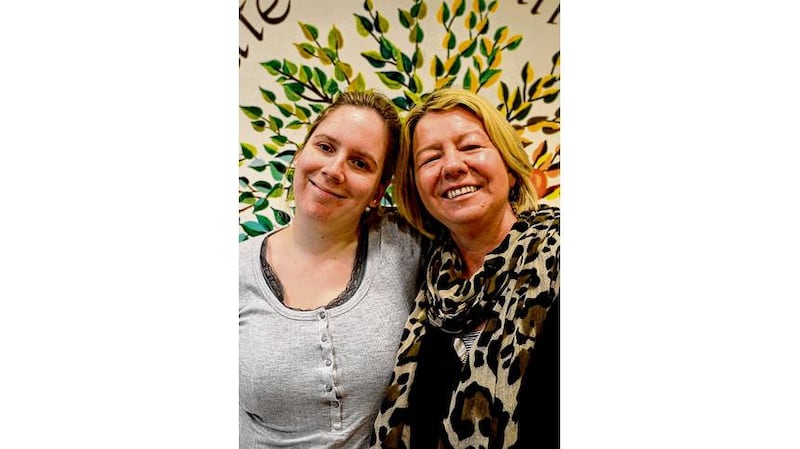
x: 270, y: 30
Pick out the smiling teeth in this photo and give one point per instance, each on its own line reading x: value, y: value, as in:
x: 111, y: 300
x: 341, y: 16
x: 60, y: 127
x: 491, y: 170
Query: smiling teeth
x: 460, y: 191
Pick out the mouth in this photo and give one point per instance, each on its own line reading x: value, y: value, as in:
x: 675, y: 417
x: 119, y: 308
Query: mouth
x: 455, y: 193
x: 324, y: 190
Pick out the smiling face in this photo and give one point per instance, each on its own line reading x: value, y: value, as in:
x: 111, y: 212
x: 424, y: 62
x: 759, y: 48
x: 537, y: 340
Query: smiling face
x: 337, y: 173
x: 459, y: 173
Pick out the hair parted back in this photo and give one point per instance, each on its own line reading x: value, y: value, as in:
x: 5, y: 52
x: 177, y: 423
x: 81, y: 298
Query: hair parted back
x: 374, y: 101
x: 523, y: 194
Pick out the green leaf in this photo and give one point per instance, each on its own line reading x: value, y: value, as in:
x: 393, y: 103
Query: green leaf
x: 285, y: 109
x: 455, y: 67
x: 504, y: 92
x: 266, y: 222
x: 335, y: 39
x: 261, y: 204
x: 438, y: 66
x: 258, y: 125
x: 242, y: 237
x: 305, y: 74
x: 294, y: 124
x: 254, y: 228
x: 289, y: 67
x: 444, y: 13
x: 486, y: 75
x: 262, y: 186
x: 247, y: 198
x: 368, y: 5
x: 248, y: 151
x: 277, y: 168
x: 291, y: 95
x: 402, y: 103
x: 473, y: 20
x: 386, y: 48
x: 363, y: 25
x: 481, y: 5
x: 317, y: 107
x: 272, y: 66
x: 276, y: 191
x: 271, y: 149
x: 416, y: 35
x: 281, y: 217
x: 408, y: 66
x: 381, y: 24
x: 404, y: 17
x: 306, y: 50
x: 287, y: 155
x: 258, y: 165
x: 526, y: 72
x: 499, y: 32
x: 415, y: 84
x: 244, y: 183
x: 392, y: 79
x: 374, y: 58
x: 514, y: 43
x: 471, y: 49
x: 268, y: 96
x: 419, y: 10
x: 462, y: 6
x: 252, y: 112
x: 280, y: 140
x: 451, y: 40
x: 417, y: 59
x: 332, y: 87
x: 302, y: 112
x: 275, y: 123
x: 359, y: 83
x: 309, y: 31
x: 319, y: 78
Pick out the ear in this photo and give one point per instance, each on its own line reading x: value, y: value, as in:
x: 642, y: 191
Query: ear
x: 378, y: 195
x: 512, y: 180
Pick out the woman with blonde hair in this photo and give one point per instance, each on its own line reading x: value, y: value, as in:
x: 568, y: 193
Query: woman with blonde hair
x: 478, y: 362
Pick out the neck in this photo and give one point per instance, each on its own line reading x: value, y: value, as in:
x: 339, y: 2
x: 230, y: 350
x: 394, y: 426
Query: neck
x: 475, y: 242
x: 313, y: 238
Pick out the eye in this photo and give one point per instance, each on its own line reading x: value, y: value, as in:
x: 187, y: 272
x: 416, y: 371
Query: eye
x: 427, y: 157
x: 360, y: 164
x: 324, y: 147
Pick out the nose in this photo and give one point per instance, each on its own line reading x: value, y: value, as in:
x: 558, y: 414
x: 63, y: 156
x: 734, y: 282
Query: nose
x: 454, y: 165
x: 334, y: 169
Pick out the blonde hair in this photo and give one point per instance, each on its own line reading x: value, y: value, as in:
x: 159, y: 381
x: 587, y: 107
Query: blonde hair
x: 522, y: 195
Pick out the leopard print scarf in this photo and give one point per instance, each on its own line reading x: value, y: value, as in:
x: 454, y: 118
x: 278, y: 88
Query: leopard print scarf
x: 511, y: 293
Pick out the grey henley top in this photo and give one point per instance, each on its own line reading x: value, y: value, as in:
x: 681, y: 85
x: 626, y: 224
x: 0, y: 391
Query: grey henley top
x: 315, y: 379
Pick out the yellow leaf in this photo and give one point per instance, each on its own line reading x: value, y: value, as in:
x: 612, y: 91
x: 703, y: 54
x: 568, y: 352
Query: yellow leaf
x: 488, y: 44
x: 503, y: 35
x: 440, y: 14
x: 456, y: 4
x: 462, y: 47
x: 554, y: 194
x: 476, y: 6
x: 449, y: 63
x: 529, y: 72
x: 441, y: 82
